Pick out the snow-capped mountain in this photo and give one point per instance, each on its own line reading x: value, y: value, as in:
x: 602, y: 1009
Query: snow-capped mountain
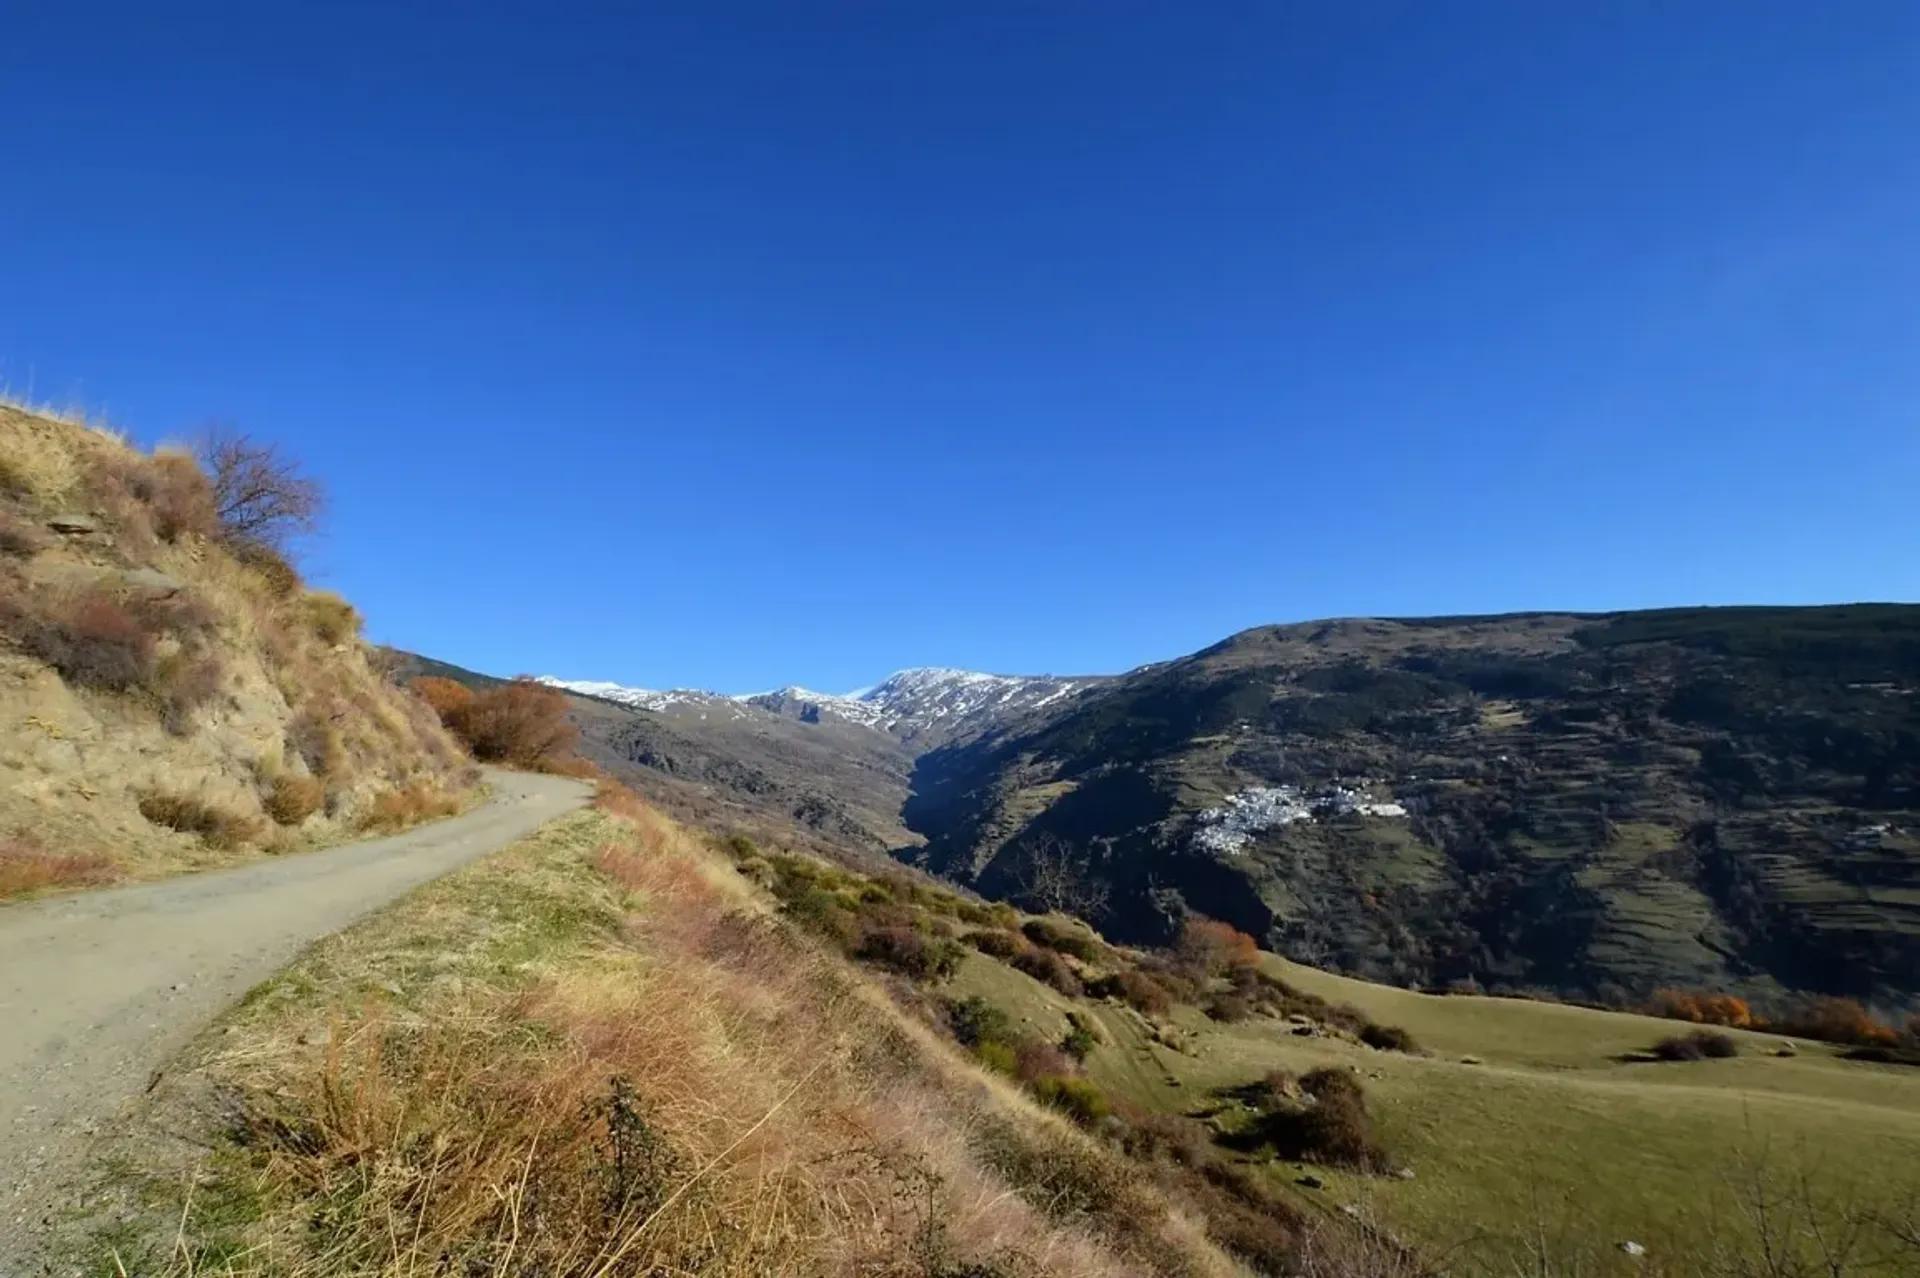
x: 923, y: 707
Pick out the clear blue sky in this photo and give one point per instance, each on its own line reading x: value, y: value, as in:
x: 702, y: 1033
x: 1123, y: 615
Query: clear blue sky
x: 731, y: 345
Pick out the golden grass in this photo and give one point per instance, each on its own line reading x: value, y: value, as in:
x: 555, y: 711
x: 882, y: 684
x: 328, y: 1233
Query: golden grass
x: 27, y: 867
x: 597, y: 1053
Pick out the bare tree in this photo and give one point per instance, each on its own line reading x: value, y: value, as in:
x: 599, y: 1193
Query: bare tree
x: 1059, y: 877
x: 260, y: 495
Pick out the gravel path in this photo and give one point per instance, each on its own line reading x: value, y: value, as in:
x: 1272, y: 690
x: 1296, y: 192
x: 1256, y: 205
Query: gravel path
x: 99, y: 990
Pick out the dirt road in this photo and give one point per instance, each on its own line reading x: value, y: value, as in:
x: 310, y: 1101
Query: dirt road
x: 99, y: 990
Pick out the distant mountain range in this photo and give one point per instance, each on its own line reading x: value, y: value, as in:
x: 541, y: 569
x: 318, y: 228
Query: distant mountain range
x: 924, y: 707
x: 1589, y: 805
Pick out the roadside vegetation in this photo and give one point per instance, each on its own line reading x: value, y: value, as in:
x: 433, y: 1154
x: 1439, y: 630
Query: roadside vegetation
x: 176, y: 695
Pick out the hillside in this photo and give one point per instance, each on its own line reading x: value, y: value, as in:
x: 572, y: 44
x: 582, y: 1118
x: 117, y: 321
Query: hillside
x: 1592, y: 805
x: 173, y: 695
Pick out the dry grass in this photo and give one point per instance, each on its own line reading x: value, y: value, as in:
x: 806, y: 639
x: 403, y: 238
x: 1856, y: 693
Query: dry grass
x: 607, y: 1058
x: 26, y: 866
x: 332, y: 619
x: 291, y: 800
x: 218, y: 827
x: 398, y: 809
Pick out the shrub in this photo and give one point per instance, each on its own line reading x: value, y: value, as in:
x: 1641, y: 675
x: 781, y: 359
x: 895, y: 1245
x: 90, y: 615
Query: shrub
x: 292, y: 800
x: 1136, y: 989
x: 1081, y: 1037
x: 1048, y: 968
x: 995, y: 943
x: 1149, y: 1136
x: 912, y: 954
x: 331, y: 618
x: 523, y: 723
x: 1229, y: 1008
x: 273, y: 569
x: 1699, y: 1045
x: 397, y: 809
x: 998, y: 1057
x: 1077, y: 1098
x: 1701, y: 1009
x: 25, y: 866
x: 94, y: 641
x: 1333, y: 1127
x: 1035, y: 1060
x: 313, y: 737
x: 821, y: 912
x: 975, y: 1021
x: 1388, y: 1038
x: 1064, y: 938
x: 179, y: 498
x: 1836, y: 1020
x: 186, y: 681
x: 444, y: 695
x: 217, y: 827
x: 1214, y: 948
x: 18, y: 538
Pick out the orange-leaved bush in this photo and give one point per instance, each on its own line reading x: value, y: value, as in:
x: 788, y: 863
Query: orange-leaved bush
x: 522, y: 722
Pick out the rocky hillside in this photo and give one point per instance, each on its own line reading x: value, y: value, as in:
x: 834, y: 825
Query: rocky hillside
x: 1594, y: 805
x: 170, y: 692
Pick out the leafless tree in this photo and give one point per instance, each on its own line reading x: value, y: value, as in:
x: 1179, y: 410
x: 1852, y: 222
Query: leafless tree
x: 261, y: 496
x: 1059, y: 877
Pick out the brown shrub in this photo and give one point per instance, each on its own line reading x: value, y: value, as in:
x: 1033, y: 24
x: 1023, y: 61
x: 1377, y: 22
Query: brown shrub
x: 275, y: 571
x: 1229, y: 1008
x: 1388, y: 1038
x: 909, y: 952
x: 398, y: 809
x: 26, y: 866
x: 313, y: 737
x: 94, y: 640
x: 1064, y: 937
x: 19, y: 538
x: 332, y: 619
x: 444, y: 695
x: 186, y: 681
x: 1697, y: 1046
x: 522, y: 723
x: 1135, y: 988
x: 1333, y: 1127
x: 1701, y: 1008
x: 1215, y: 948
x: 1835, y: 1020
x: 1048, y: 968
x: 179, y: 498
x: 217, y: 827
x: 1034, y: 1060
x: 995, y: 943
x: 292, y: 800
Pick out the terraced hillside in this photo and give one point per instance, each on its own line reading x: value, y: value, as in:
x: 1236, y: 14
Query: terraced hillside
x: 1595, y: 805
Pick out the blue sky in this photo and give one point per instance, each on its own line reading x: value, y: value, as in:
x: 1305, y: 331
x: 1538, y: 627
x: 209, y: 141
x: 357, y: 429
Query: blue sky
x: 733, y: 345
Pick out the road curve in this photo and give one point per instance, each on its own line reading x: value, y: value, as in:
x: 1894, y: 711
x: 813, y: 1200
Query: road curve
x: 98, y: 990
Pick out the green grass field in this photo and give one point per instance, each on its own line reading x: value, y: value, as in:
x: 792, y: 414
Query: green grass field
x: 1527, y: 1125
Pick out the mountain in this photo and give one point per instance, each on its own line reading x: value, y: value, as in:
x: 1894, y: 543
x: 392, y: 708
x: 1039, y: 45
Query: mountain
x: 1591, y: 805
x: 1588, y: 805
x: 920, y: 708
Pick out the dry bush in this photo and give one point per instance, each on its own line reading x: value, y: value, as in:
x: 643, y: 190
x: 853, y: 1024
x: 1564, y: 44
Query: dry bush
x: 1330, y: 1126
x: 260, y: 496
x: 1064, y: 937
x: 332, y: 619
x: 995, y: 943
x: 1229, y: 1008
x: 1078, y: 1098
x: 523, y: 723
x: 314, y: 736
x: 18, y: 538
x: 185, y: 682
x: 1047, y: 967
x: 398, y: 809
x: 1701, y: 1008
x: 291, y: 800
x: 217, y: 827
x: 1388, y: 1038
x: 1699, y: 1045
x: 273, y: 569
x: 94, y: 639
x: 909, y: 952
x: 1214, y: 948
x: 1135, y: 988
x: 179, y: 499
x: 26, y: 866
x: 444, y: 695
x: 1835, y: 1020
